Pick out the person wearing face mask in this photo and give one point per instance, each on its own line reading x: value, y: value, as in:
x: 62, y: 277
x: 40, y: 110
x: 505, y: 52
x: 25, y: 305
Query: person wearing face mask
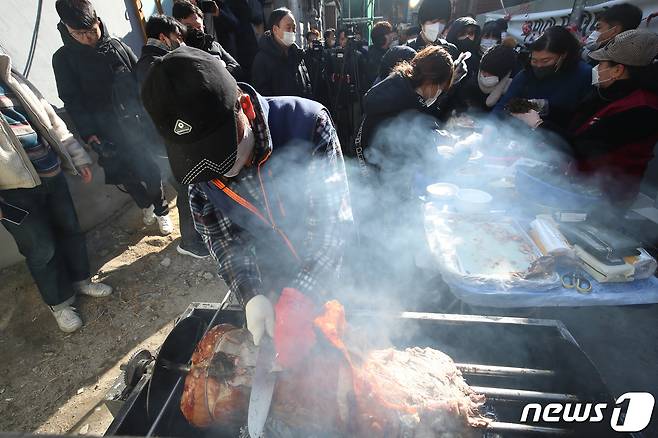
x: 555, y: 74
x: 268, y: 191
x: 392, y: 146
x: 611, y: 22
x: 483, y: 91
x: 413, y: 86
x: 163, y: 34
x: 279, y: 68
x: 191, y: 16
x: 433, y: 16
x: 612, y: 136
x: 464, y: 33
x: 493, y: 33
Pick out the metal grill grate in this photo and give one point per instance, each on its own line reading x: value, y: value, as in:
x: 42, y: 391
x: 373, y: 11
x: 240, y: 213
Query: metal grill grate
x: 513, y: 361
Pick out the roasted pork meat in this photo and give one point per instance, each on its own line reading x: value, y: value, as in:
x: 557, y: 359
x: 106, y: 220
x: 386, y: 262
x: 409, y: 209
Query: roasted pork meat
x: 336, y: 392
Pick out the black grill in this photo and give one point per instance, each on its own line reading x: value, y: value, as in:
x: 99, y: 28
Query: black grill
x: 513, y: 361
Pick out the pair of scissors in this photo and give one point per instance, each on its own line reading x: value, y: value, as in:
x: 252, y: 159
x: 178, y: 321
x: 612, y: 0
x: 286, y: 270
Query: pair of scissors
x: 575, y: 280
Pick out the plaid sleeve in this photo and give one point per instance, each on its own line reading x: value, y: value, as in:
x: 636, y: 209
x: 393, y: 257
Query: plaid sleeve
x: 229, y: 245
x: 329, y: 221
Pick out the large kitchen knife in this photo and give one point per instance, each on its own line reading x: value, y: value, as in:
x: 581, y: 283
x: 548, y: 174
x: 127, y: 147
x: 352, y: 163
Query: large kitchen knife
x: 262, y: 388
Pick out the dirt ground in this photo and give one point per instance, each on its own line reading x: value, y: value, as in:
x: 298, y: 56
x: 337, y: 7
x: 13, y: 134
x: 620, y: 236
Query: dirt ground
x: 51, y: 382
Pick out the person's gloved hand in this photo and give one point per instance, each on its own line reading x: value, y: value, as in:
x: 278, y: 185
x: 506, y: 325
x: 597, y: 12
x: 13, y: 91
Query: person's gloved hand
x: 531, y: 118
x: 461, y: 69
x: 260, y: 317
x: 294, y: 335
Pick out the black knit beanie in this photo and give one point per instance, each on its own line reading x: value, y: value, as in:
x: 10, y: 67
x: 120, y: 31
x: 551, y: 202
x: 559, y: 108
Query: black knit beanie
x: 498, y: 60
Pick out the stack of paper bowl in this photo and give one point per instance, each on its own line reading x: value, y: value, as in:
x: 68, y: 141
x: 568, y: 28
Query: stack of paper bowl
x: 442, y: 191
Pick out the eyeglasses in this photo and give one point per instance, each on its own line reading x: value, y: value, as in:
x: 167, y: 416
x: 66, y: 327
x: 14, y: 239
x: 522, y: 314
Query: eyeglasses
x: 89, y: 33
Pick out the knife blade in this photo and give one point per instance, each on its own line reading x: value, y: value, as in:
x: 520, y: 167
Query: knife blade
x: 262, y: 389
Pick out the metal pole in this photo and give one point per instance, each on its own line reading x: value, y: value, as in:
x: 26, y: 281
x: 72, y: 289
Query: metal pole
x: 576, y: 17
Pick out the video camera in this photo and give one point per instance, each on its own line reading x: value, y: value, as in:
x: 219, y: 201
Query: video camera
x: 316, y: 46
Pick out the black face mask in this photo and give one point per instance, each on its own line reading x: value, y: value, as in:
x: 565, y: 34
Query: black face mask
x: 544, y: 72
x: 466, y: 45
x: 547, y: 71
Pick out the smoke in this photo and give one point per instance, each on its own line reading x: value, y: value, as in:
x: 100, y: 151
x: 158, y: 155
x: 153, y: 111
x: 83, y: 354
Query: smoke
x: 391, y: 263
x: 407, y: 153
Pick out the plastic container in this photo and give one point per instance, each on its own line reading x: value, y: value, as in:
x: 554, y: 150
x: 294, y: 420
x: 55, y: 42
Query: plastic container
x: 545, y: 193
x: 473, y: 201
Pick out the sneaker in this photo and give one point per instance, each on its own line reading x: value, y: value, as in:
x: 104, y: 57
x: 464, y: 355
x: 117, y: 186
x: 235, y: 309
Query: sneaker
x: 96, y: 290
x: 149, y: 215
x: 165, y: 224
x: 198, y: 251
x: 67, y: 318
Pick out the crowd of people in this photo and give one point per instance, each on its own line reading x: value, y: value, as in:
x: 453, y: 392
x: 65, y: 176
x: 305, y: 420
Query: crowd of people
x: 225, y: 106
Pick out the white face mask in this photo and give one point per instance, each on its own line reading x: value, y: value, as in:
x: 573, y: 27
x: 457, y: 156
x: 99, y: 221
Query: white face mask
x: 245, y: 148
x: 432, y: 31
x: 487, y: 43
x: 288, y: 38
x: 593, y: 37
x: 596, y: 78
x: 432, y: 100
x: 488, y: 81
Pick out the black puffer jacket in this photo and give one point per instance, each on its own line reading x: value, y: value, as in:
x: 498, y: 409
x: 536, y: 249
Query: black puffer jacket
x: 84, y: 77
x: 383, y: 103
x: 375, y: 55
x: 150, y: 53
x: 419, y: 44
x: 277, y: 73
x: 394, y: 143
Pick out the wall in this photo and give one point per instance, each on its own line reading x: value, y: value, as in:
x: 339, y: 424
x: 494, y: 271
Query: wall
x: 94, y: 202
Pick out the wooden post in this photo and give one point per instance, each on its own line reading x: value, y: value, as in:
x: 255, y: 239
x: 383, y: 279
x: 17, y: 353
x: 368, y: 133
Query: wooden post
x: 139, y: 10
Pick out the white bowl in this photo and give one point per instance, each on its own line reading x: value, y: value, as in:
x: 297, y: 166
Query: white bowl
x: 472, y: 201
x: 442, y: 191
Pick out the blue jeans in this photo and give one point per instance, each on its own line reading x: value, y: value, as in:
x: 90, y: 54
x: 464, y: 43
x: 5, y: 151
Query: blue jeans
x: 50, y: 238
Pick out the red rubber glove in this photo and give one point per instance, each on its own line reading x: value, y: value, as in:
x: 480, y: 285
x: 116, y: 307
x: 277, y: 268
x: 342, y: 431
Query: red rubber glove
x: 294, y: 335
